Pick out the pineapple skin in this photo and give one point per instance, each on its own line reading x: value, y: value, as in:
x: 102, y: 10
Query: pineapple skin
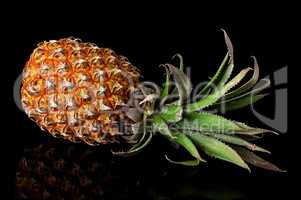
x: 78, y: 91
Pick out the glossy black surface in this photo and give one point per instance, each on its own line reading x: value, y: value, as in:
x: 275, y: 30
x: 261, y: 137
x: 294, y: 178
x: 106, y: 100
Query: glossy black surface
x: 147, y: 44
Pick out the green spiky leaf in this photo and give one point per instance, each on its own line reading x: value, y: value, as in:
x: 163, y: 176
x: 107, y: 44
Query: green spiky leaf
x: 144, y: 141
x: 182, y: 82
x: 207, y: 122
x: 185, y: 142
x: 248, y: 85
x: 217, y: 93
x: 221, y: 86
x: 241, y: 103
x: 171, y: 113
x: 195, y: 162
x: 180, y: 57
x: 181, y: 68
x: 218, y: 76
x: 244, y: 99
x: 225, y: 70
x: 235, y: 80
x: 255, y: 160
x: 229, y: 46
x: 218, y: 149
x: 161, y: 126
x: 238, y: 141
x: 166, y: 85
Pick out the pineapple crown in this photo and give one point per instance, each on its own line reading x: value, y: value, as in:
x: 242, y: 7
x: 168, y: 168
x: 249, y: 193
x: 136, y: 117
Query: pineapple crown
x: 192, y: 126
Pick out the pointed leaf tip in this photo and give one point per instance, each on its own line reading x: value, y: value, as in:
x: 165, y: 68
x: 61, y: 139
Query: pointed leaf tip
x: 136, y: 148
x: 185, y: 142
x: 229, y: 46
x: 185, y: 163
x: 180, y: 57
x: 238, y: 141
x: 257, y: 161
x: 182, y: 82
x: 218, y: 149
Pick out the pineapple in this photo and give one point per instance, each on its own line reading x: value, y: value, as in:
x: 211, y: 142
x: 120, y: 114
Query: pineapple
x: 74, y: 90
x: 83, y: 93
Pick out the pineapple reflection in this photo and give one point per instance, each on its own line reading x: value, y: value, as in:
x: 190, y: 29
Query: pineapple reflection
x: 60, y: 170
x: 57, y: 170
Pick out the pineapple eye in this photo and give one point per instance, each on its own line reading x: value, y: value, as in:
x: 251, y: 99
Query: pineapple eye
x: 96, y: 61
x: 44, y: 69
x: 108, y: 52
x: 95, y: 126
x: 61, y: 101
x: 49, y: 120
x: 82, y: 132
x: 70, y: 135
x: 114, y: 86
x: 72, y: 118
x: 35, y: 87
x: 87, y: 46
x: 57, y: 132
x: 101, y: 106
x: 62, y: 68
x: 100, y: 91
x: 76, y: 53
x: 110, y: 59
x: 33, y: 115
x: 41, y: 110
x: 123, y: 59
x: 76, y: 40
x: 53, y: 102
x: 81, y: 64
x: 50, y: 84
x: 53, y: 42
x: 59, y: 54
x: 98, y: 74
x: 42, y: 105
x: 82, y: 79
x: 66, y: 84
x: 117, y: 101
x: 94, y: 51
x: 83, y: 95
x: 54, y: 45
x: 88, y: 111
x: 70, y: 103
x: 61, y: 118
x: 113, y: 72
x: 70, y: 43
x: 27, y: 100
x: 39, y: 54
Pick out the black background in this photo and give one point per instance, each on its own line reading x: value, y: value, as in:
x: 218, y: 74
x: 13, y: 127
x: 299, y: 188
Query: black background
x: 149, y: 37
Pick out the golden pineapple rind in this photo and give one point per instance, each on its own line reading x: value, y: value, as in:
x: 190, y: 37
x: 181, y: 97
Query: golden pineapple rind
x: 75, y: 90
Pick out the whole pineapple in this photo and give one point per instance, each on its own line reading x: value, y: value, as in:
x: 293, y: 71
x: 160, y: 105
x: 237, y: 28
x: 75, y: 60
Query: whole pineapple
x: 75, y: 90
x: 81, y: 92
